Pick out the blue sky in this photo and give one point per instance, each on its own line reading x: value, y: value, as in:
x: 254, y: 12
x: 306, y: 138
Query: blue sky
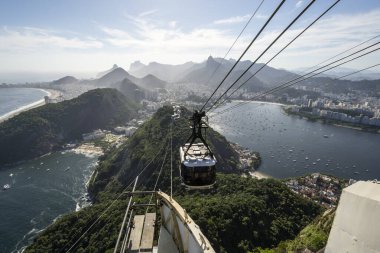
x: 88, y: 36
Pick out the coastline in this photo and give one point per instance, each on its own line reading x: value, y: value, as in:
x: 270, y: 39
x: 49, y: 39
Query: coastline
x: 259, y: 102
x: 259, y: 175
x: 49, y: 92
x: 331, y: 122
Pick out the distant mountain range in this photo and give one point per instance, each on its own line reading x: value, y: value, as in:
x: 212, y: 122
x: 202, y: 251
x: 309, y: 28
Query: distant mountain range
x: 341, y: 71
x: 166, y: 72
x: 65, y: 80
x: 210, y: 73
x: 132, y: 87
x: 107, y: 71
x: 202, y: 73
x: 147, y: 82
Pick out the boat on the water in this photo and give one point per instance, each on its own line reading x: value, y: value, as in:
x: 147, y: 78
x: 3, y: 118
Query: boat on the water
x: 6, y: 187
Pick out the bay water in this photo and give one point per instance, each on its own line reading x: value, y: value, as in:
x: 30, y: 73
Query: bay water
x: 293, y: 146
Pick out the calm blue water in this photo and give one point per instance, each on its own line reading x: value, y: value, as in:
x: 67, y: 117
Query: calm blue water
x: 290, y: 146
x: 41, y: 190
x: 14, y: 98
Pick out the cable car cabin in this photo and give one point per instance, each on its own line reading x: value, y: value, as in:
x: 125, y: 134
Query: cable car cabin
x: 198, y: 167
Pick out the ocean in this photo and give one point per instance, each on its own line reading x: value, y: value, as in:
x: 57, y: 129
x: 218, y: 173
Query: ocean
x: 14, y: 99
x: 40, y: 191
x: 291, y: 146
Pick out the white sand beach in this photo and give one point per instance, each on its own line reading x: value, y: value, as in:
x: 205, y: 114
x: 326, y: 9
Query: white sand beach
x: 49, y: 92
x: 259, y: 175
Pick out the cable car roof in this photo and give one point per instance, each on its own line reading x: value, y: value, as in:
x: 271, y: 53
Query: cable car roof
x: 197, y: 156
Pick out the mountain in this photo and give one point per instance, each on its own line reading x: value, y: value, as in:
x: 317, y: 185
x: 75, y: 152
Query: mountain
x: 204, y: 72
x: 136, y: 67
x: 107, y: 71
x: 168, y: 73
x: 201, y: 72
x: 130, y: 90
x: 239, y: 214
x: 341, y: 71
x: 267, y: 77
x: 38, y: 131
x: 143, y: 145
x: 149, y: 82
x: 205, y: 75
x: 327, y: 84
x: 65, y: 80
x: 116, y: 75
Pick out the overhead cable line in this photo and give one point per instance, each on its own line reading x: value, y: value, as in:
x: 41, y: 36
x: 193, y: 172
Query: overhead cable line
x: 345, y: 51
x: 353, y: 73
x: 268, y: 47
x: 245, y: 51
x: 290, y: 83
x: 279, y: 52
x: 113, y: 202
x: 303, y: 76
x: 233, y: 44
x: 171, y: 159
x: 125, y: 218
x: 158, y: 178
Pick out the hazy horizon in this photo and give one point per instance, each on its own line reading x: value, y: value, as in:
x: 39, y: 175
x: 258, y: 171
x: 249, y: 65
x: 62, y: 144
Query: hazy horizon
x: 35, y: 41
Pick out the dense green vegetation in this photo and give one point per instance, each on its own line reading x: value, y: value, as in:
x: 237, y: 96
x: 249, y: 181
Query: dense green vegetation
x: 40, y: 130
x: 241, y: 214
x: 313, y: 237
x: 118, y: 166
x: 238, y: 215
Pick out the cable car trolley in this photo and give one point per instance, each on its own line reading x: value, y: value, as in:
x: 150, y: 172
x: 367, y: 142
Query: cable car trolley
x: 197, y: 166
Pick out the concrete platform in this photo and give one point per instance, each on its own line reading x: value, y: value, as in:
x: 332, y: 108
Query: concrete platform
x: 146, y: 244
x: 135, y: 236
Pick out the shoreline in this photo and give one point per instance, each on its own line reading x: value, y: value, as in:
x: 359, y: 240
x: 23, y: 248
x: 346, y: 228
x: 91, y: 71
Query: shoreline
x: 259, y: 102
x: 331, y: 122
x: 259, y: 175
x: 49, y: 92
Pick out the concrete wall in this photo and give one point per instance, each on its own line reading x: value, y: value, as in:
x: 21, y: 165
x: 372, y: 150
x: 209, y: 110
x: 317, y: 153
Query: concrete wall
x: 356, y: 226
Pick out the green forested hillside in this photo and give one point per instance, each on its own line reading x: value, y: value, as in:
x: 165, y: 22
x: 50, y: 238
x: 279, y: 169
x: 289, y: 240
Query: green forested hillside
x: 238, y: 215
x: 41, y: 130
x: 119, y: 166
x: 313, y: 237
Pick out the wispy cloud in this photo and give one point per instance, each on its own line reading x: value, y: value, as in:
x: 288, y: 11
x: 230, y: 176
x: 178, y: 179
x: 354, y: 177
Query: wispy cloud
x: 152, y: 40
x: 326, y: 38
x: 170, y: 43
x: 299, y: 4
x: 32, y: 38
x: 232, y: 20
x: 173, y: 24
x: 147, y: 13
x: 261, y: 16
x: 147, y: 39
